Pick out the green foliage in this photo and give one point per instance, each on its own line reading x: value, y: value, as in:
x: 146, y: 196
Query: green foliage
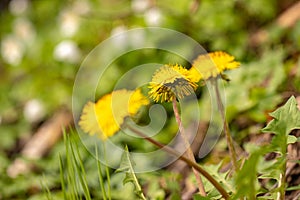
x: 268, y: 73
x: 246, y: 180
x: 286, y: 119
x: 162, y: 183
x: 73, y: 176
x: 255, y: 86
x: 127, y: 167
x: 222, y: 178
x: 78, y: 175
x: 246, y: 183
x: 101, y: 179
x: 199, y: 197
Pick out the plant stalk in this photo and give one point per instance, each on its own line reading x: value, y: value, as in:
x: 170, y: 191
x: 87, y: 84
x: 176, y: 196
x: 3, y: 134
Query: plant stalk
x: 225, y: 126
x: 186, y: 160
x: 189, y: 150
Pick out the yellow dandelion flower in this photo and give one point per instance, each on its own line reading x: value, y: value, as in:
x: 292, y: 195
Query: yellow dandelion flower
x: 106, y: 117
x: 137, y: 100
x: 212, y: 65
x: 169, y: 82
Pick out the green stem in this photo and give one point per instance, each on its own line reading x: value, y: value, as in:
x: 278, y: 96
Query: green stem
x: 282, y: 180
x: 186, y: 160
x: 189, y: 151
x: 226, y: 127
x: 135, y: 180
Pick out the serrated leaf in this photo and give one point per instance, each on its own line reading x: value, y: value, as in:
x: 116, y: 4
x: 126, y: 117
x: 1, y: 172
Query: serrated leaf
x: 286, y: 118
x: 221, y: 177
x: 214, y: 170
x: 127, y: 166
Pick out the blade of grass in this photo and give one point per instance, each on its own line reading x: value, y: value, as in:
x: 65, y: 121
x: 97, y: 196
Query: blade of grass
x: 46, y: 189
x: 107, y: 173
x: 80, y: 169
x: 101, y: 181
x: 62, y: 179
x: 71, y: 175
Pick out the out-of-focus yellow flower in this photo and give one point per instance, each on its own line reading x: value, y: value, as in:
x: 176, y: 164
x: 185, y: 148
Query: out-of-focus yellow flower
x: 211, y: 65
x: 106, y: 117
x: 169, y: 82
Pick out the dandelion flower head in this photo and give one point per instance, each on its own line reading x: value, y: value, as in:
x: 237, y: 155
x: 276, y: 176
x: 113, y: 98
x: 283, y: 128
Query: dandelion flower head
x: 169, y: 82
x: 211, y: 65
x: 106, y: 117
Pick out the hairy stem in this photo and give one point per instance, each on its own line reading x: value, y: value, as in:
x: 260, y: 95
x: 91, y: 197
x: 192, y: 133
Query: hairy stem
x: 189, y: 150
x: 185, y: 159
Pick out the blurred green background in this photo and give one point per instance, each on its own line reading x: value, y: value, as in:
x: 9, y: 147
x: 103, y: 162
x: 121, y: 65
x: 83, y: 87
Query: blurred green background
x: 43, y: 43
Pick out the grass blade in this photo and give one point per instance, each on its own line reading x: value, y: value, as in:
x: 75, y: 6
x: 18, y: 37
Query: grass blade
x: 101, y: 181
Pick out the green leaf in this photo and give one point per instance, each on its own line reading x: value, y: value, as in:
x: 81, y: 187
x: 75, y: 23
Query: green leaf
x: 199, y: 197
x: 246, y: 179
x: 296, y: 187
x: 127, y: 166
x: 221, y: 177
x: 286, y: 118
x: 291, y: 139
